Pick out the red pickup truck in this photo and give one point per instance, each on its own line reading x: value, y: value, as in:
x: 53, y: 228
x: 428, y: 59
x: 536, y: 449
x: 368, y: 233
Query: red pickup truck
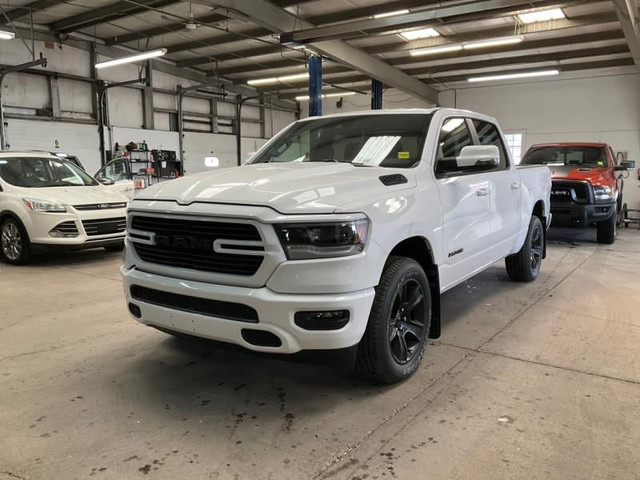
x: 586, y: 186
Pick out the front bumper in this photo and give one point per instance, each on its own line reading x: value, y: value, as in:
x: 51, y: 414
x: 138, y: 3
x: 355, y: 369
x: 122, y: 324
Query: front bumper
x: 39, y: 226
x: 581, y: 215
x: 275, y: 313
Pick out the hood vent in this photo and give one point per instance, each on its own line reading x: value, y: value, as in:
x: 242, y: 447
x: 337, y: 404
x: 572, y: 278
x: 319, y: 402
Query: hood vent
x: 394, y: 179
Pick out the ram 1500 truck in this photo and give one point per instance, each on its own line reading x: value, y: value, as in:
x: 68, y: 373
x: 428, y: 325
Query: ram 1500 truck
x: 342, y: 231
x: 586, y: 185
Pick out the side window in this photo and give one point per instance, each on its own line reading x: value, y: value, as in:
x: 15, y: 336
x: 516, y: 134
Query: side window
x: 488, y: 134
x: 454, y: 136
x: 116, y: 170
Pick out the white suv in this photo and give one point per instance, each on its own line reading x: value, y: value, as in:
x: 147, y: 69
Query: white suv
x: 47, y: 201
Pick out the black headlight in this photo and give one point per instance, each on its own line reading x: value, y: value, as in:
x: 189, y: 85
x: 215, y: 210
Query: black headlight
x: 323, y: 240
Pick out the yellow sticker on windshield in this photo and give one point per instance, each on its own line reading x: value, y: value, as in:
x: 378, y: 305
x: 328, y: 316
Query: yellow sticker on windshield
x: 601, y: 164
x: 404, y: 155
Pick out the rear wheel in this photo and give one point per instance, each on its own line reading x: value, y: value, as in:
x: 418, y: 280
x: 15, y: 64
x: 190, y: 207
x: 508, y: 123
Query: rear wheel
x: 524, y: 266
x: 608, y: 230
x: 396, y: 336
x: 14, y: 242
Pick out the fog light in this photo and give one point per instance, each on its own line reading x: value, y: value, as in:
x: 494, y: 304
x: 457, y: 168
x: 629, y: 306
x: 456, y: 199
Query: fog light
x: 135, y: 310
x: 328, y: 320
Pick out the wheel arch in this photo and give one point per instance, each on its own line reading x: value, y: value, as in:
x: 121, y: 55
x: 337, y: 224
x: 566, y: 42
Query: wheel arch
x: 419, y: 249
x: 539, y: 211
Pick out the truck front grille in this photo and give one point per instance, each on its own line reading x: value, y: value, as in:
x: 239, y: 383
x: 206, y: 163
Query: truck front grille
x: 568, y: 192
x: 189, y: 244
x: 104, y: 226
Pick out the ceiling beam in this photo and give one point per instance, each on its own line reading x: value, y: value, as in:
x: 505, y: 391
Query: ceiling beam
x: 277, y: 19
x: 566, y: 68
x: 370, y: 11
x: 25, y: 10
x: 431, y: 17
x: 600, y: 19
x: 337, y: 78
x: 162, y: 29
x: 408, y: 59
x: 212, y: 18
x: 218, y: 40
x: 107, y: 13
x: 629, y: 15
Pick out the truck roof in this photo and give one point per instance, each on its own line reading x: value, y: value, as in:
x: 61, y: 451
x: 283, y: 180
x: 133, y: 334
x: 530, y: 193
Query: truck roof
x: 391, y: 111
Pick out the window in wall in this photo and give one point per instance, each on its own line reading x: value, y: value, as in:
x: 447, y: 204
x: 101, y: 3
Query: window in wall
x: 514, y: 143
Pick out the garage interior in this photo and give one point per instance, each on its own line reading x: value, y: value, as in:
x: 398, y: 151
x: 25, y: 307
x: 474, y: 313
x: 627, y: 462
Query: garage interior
x: 536, y: 381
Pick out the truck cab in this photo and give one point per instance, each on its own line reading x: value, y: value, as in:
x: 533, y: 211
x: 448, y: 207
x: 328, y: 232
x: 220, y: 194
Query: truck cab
x: 586, y: 185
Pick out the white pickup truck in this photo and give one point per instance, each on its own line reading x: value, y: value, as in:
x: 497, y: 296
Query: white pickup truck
x: 342, y: 231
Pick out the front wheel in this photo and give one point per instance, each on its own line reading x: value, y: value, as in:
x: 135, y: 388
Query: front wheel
x: 608, y: 230
x: 14, y: 242
x: 396, y: 336
x: 524, y: 266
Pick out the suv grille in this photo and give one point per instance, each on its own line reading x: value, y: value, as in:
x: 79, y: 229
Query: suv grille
x: 100, y: 206
x: 189, y: 244
x: 104, y: 226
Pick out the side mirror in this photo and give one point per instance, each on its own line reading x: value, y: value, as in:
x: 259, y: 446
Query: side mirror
x: 105, y: 181
x: 211, y: 162
x: 628, y: 165
x: 473, y: 156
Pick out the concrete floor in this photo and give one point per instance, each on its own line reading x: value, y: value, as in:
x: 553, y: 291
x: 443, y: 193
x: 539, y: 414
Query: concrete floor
x: 529, y: 381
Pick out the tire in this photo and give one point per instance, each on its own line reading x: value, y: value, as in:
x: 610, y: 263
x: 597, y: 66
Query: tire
x: 15, y: 247
x: 115, y: 248
x: 395, y: 339
x: 608, y: 230
x: 524, y: 266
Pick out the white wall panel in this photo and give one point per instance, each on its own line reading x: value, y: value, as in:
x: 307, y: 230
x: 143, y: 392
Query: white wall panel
x: 199, y: 145
x: 21, y: 89
x: 75, y: 96
x: 125, y: 107
x: 155, y: 139
x: 80, y: 140
x: 601, y: 109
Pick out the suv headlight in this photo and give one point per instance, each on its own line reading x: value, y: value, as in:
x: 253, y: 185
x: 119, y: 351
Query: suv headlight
x: 603, y: 193
x: 44, y: 205
x: 323, y: 240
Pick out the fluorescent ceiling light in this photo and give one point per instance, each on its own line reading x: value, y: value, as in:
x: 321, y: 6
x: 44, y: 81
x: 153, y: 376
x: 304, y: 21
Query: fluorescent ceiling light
x: 417, y: 34
x: 391, y: 14
x: 493, y: 42
x: 509, y: 76
x: 284, y: 79
x: 542, y: 15
x: 133, y: 58
x: 434, y: 50
x: 328, y: 95
x: 4, y: 35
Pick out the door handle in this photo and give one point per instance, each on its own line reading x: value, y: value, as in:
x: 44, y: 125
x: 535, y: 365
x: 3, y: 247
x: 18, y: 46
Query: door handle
x: 482, y: 192
x: 515, y: 186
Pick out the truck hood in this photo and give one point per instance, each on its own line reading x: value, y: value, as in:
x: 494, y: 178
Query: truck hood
x: 76, y: 195
x: 285, y: 187
x: 595, y: 176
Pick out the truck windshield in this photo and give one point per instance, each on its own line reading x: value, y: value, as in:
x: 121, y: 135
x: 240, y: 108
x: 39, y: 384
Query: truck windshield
x: 382, y: 140
x: 37, y: 172
x: 588, y: 157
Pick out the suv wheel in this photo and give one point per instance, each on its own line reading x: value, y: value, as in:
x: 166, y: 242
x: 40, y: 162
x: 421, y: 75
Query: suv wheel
x: 396, y: 336
x: 14, y: 242
x: 524, y: 266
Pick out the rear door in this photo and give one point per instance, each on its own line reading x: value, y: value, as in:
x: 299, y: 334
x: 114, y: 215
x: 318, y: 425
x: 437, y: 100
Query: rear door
x: 506, y: 186
x: 465, y: 199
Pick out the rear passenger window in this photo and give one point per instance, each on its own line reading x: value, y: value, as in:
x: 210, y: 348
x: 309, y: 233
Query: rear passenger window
x: 488, y: 134
x: 454, y: 136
